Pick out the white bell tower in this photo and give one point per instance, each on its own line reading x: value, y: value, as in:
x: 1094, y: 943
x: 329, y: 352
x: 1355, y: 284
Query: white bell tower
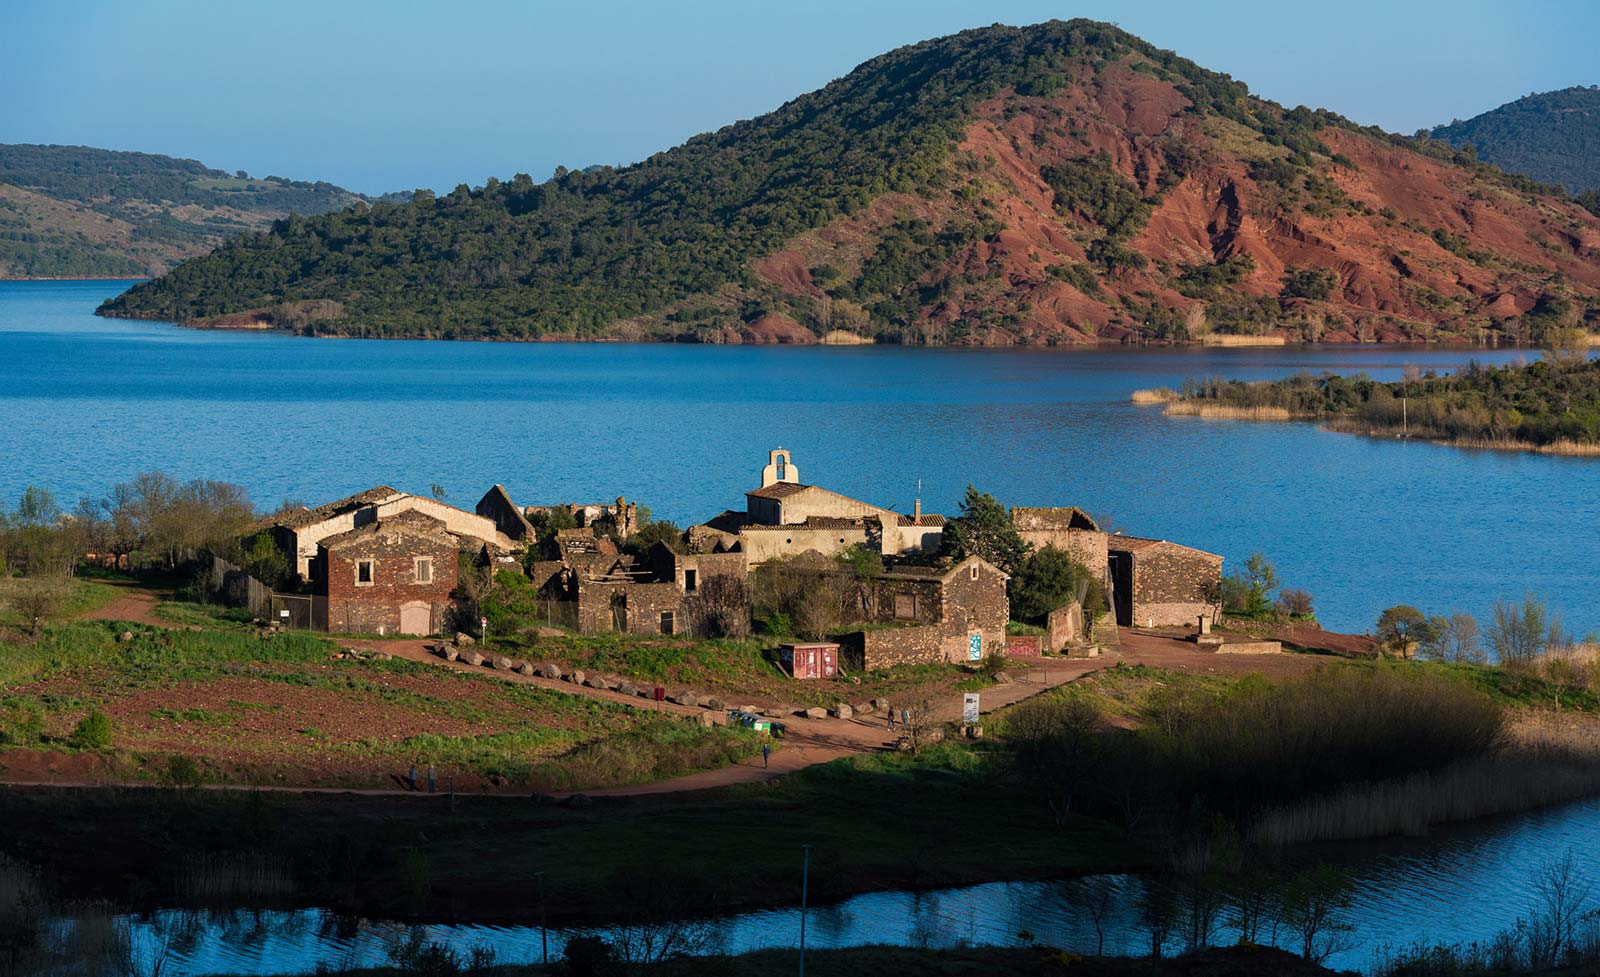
x: 779, y: 468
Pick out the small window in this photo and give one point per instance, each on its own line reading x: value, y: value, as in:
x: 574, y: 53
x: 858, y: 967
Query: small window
x: 424, y: 570
x: 972, y: 572
x: 666, y: 622
x: 690, y: 581
x: 363, y: 573
x: 905, y: 607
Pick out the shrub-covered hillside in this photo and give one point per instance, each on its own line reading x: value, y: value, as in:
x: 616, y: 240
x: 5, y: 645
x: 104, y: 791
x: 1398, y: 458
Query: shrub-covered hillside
x: 1553, y: 137
x: 1063, y: 182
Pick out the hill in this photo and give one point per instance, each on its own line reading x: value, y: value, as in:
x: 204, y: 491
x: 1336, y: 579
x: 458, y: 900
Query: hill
x: 73, y: 211
x: 1553, y: 137
x: 1065, y: 182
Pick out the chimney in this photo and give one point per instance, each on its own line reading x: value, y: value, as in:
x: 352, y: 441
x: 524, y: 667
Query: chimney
x: 916, y: 510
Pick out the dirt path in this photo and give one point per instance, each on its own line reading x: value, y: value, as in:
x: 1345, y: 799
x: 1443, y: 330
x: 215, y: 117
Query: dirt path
x: 135, y: 603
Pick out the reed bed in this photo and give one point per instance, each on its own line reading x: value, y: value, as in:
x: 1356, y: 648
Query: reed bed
x: 1200, y: 408
x: 1547, y: 760
x: 229, y: 877
x: 1154, y: 395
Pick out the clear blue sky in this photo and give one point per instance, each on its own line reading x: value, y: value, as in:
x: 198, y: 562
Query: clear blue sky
x: 394, y: 95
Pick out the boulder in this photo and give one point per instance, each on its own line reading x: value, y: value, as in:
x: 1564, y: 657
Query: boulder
x: 594, y: 682
x: 549, y: 670
x: 526, y: 668
x: 816, y: 712
x: 713, y: 703
x: 501, y: 663
x: 863, y: 708
x: 382, y: 656
x: 1002, y: 678
x: 471, y: 657
x: 709, y: 719
x: 685, y: 698
x: 451, y: 653
x: 772, y: 712
x: 463, y: 639
x: 627, y: 688
x: 842, y: 711
x: 575, y: 676
x: 125, y: 636
x: 550, y: 632
x: 880, y: 705
x: 750, y: 709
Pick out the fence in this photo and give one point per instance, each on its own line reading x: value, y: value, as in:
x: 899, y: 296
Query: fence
x: 301, y: 612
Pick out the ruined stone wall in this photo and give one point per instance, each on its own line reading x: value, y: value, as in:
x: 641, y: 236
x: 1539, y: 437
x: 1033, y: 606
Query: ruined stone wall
x: 926, y: 593
x: 378, y: 607
x: 641, y: 606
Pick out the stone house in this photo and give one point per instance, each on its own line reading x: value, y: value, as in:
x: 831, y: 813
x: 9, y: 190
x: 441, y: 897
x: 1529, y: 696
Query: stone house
x: 933, y: 614
x: 1068, y: 528
x: 785, y: 517
x: 299, y: 533
x: 497, y: 507
x: 1156, y: 583
x: 390, y: 576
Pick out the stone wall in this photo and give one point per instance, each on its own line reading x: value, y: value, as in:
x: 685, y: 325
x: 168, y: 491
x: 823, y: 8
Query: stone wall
x: 760, y: 544
x: 640, y: 605
x: 813, y: 501
x: 887, y: 647
x: 1173, y: 585
x: 394, y: 592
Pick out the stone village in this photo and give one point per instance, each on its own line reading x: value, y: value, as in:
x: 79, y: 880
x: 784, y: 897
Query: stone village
x: 387, y: 562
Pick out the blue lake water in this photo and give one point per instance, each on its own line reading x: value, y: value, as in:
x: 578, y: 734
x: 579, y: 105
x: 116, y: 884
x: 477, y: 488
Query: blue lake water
x: 1360, y: 523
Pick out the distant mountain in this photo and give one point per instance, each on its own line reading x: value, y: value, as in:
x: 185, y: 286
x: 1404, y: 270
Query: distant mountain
x: 1553, y: 137
x: 73, y: 211
x: 1065, y: 182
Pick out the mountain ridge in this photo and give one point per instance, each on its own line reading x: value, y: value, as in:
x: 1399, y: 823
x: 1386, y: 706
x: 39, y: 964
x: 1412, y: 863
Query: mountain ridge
x: 1065, y: 182
x: 1553, y: 137
x: 84, y: 212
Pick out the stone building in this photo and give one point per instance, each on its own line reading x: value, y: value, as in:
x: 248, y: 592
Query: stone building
x: 623, y: 515
x: 390, y: 576
x: 1068, y: 528
x: 496, y: 506
x: 1156, y: 583
x: 940, y: 614
x: 785, y: 517
x: 299, y: 532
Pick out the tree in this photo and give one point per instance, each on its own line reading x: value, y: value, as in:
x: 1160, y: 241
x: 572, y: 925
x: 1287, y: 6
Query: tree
x: 1315, y: 905
x: 864, y: 566
x: 1249, y: 592
x: 719, y: 607
x: 984, y: 529
x: 1048, y: 579
x: 1455, y: 639
x: 93, y: 732
x: 1566, y: 346
x: 264, y: 560
x: 1295, y: 603
x: 651, y: 532
x: 36, y: 599
x: 1404, y: 629
x: 1056, y: 747
x: 1520, y: 632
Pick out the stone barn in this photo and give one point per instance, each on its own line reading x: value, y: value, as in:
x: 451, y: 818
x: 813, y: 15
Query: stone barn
x: 1156, y: 583
x: 951, y: 614
x: 1070, y: 529
x: 392, y: 576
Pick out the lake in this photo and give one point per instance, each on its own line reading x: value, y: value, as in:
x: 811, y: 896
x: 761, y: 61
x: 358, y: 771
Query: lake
x: 1360, y: 523
x: 1464, y: 883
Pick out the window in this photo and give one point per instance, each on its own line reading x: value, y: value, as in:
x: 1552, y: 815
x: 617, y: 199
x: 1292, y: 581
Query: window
x: 690, y: 581
x: 424, y: 570
x: 905, y: 607
x: 364, y: 573
x: 666, y: 622
x: 972, y: 572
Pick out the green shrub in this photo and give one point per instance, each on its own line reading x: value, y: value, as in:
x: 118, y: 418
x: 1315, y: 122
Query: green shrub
x: 93, y: 732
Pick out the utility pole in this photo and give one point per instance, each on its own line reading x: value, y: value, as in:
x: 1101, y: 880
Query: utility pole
x: 805, y: 880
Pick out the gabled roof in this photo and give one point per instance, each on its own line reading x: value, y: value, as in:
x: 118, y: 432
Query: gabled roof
x: 1134, y: 544
x: 1054, y: 516
x: 778, y: 490
x: 310, y: 517
x: 926, y: 519
x: 410, y: 523
x: 497, y: 495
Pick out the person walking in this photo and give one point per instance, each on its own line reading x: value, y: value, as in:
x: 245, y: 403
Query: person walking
x: 433, y: 780
x: 891, y: 719
x: 411, y: 778
x: 766, y: 755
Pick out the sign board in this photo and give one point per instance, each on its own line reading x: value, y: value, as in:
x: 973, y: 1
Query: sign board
x: 969, y: 707
x: 975, y: 647
x: 660, y: 693
x: 1022, y: 645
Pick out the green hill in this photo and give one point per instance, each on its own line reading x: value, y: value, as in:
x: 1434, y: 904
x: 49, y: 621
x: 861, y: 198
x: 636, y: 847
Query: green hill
x: 71, y: 211
x: 1553, y: 137
x: 1064, y: 182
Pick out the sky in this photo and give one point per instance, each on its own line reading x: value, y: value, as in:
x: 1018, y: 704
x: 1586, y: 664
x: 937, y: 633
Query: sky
x: 380, y: 95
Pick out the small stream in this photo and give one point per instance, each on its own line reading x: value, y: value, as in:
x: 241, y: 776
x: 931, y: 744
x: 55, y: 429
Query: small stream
x: 1463, y: 883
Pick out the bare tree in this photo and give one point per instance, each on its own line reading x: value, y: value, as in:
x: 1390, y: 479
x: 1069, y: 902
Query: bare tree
x: 36, y: 599
x: 1561, y: 904
x: 1314, y: 905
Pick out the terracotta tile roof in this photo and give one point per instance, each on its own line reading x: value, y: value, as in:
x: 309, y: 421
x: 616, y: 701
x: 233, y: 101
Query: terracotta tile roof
x: 409, y: 523
x: 1134, y: 544
x: 926, y: 519
x: 778, y: 490
x: 310, y: 517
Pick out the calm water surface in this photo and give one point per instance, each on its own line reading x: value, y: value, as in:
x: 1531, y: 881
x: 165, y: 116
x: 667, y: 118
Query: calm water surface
x: 1463, y: 884
x: 1360, y: 523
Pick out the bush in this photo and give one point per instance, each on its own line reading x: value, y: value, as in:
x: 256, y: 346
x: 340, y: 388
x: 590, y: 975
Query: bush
x: 93, y: 732
x: 1295, y: 603
x: 1050, y: 578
